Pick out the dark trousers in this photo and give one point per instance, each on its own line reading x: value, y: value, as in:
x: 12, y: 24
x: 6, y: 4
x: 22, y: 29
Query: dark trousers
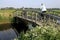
x: 41, y: 15
x: 43, y: 12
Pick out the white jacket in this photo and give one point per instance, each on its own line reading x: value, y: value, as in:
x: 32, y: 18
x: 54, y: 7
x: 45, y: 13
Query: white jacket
x: 43, y: 8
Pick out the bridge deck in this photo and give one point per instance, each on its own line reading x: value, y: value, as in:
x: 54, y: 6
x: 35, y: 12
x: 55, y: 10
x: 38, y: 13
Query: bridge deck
x: 39, y: 23
x: 36, y: 17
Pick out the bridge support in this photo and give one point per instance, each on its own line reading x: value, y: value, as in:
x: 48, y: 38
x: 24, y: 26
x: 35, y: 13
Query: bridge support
x: 30, y: 26
x: 22, y: 24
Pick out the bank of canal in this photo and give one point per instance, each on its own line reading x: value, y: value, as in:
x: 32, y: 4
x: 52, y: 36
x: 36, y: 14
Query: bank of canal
x: 7, y: 32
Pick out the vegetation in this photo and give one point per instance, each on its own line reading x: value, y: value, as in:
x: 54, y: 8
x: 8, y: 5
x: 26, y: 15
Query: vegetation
x: 46, y: 31
x: 6, y: 16
x: 54, y: 12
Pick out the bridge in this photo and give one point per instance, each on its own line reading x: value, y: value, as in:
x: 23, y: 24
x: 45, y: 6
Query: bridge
x: 36, y: 17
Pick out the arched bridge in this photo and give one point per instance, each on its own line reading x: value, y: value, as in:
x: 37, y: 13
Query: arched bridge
x: 36, y: 17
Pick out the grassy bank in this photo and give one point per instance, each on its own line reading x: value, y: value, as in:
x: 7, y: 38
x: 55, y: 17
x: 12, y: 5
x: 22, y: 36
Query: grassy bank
x: 6, y: 16
x: 46, y: 31
x: 54, y: 12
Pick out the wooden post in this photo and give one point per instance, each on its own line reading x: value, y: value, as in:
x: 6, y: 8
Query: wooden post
x: 22, y: 14
x: 17, y: 14
x: 32, y: 16
x: 36, y: 18
x: 26, y: 15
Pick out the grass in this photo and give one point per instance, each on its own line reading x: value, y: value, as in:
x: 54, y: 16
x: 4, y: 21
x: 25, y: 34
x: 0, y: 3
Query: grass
x: 5, y: 19
x: 46, y: 31
x: 5, y: 15
x: 55, y: 12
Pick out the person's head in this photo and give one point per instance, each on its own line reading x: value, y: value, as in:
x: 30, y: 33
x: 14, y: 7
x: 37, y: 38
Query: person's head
x: 41, y: 3
x: 23, y: 8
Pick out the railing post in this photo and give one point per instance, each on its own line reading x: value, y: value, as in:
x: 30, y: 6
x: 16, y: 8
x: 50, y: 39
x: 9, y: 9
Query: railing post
x: 49, y: 20
x: 39, y: 17
x: 26, y: 15
x: 53, y: 20
x: 45, y: 18
x: 32, y: 16
x: 36, y: 18
x: 21, y: 14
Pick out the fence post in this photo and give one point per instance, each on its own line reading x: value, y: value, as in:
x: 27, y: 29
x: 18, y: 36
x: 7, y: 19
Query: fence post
x: 32, y: 16
x: 26, y: 15
x: 36, y: 18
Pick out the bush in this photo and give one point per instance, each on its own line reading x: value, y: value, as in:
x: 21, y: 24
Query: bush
x: 41, y: 33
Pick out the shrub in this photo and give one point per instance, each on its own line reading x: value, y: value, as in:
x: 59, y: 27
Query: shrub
x: 41, y: 33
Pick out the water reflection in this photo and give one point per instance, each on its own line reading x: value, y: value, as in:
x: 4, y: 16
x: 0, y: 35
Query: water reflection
x: 6, y: 32
x: 5, y: 26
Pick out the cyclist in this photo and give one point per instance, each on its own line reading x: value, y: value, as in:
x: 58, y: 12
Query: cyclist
x: 43, y: 10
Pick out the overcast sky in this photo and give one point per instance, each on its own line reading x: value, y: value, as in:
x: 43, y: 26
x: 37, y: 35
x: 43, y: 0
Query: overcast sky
x: 29, y: 3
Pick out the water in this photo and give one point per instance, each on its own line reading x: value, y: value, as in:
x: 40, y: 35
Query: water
x: 5, y: 26
x: 6, y: 32
x: 30, y: 26
x: 58, y: 21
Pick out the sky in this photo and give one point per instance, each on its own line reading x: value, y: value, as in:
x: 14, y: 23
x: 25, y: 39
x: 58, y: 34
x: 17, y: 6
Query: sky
x: 29, y: 3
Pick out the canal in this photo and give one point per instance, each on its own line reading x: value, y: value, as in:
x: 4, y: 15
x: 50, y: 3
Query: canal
x: 7, y: 32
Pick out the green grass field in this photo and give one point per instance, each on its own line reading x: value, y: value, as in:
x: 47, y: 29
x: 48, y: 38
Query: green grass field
x: 5, y: 19
x: 6, y: 15
x: 54, y: 12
